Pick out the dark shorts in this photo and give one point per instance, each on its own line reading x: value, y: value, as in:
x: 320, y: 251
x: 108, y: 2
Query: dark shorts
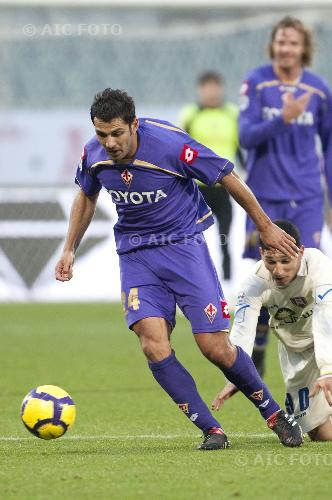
x: 155, y: 279
x: 307, y: 215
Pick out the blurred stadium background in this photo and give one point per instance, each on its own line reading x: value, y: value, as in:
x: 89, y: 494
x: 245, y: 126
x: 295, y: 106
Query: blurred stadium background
x: 54, y: 56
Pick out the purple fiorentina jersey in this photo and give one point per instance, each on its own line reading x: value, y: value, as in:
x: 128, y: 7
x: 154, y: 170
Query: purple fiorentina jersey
x: 156, y: 197
x: 283, y: 163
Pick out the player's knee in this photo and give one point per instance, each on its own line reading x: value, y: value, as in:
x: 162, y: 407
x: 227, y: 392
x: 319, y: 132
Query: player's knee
x: 318, y: 436
x: 322, y: 433
x: 218, y: 350
x: 154, y: 335
x: 222, y: 358
x: 155, y: 350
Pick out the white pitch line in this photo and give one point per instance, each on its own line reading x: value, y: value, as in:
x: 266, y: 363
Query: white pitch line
x: 141, y: 436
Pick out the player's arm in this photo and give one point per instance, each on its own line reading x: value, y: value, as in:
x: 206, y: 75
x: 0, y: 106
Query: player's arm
x: 272, y: 235
x: 322, y: 329
x: 243, y: 330
x: 82, y: 211
x: 253, y: 129
x: 325, y: 133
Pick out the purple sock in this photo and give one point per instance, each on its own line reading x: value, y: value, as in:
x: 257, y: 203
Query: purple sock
x: 181, y: 387
x: 244, y: 375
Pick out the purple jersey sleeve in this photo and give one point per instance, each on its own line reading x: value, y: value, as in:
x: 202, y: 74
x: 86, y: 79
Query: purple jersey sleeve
x: 253, y: 130
x: 87, y: 181
x: 198, y: 162
x: 324, y: 127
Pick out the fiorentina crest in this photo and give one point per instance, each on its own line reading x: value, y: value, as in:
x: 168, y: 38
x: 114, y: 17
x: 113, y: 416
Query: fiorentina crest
x: 184, y: 407
x: 258, y: 395
x: 211, y: 312
x: 127, y: 177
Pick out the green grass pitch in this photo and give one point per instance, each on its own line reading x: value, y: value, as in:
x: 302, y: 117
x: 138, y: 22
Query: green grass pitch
x: 129, y: 440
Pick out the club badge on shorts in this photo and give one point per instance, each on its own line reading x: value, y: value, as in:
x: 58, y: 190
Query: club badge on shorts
x: 211, y: 312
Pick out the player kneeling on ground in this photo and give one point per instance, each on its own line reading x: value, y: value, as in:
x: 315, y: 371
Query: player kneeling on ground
x: 148, y: 166
x: 298, y: 295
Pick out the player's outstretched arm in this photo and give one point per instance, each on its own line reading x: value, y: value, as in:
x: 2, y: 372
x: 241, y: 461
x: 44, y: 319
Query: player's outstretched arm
x: 227, y: 392
x: 81, y: 214
x: 272, y: 235
x: 325, y: 384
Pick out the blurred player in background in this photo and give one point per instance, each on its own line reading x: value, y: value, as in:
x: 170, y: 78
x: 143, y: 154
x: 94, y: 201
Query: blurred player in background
x: 148, y: 166
x: 283, y: 109
x: 298, y: 295
x: 213, y: 122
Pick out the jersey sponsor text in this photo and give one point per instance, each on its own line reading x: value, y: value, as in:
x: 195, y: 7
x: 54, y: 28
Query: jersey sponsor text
x: 135, y: 197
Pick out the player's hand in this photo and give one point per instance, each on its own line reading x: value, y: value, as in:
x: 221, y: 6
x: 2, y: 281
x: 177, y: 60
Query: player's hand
x: 274, y: 237
x: 324, y: 384
x: 64, y: 268
x: 292, y: 107
x: 226, y: 393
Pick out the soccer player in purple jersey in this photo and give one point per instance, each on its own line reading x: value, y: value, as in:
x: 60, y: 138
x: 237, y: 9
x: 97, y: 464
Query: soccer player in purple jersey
x: 148, y: 166
x: 284, y: 107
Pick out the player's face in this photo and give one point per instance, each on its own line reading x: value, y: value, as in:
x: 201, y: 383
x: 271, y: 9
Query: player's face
x: 118, y: 138
x: 211, y: 94
x: 288, y: 48
x: 283, y: 269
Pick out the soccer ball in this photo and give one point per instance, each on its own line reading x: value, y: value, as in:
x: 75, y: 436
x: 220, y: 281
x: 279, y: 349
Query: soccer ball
x: 48, y: 411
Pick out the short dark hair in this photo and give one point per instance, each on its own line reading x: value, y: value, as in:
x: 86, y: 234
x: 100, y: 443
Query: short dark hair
x: 210, y: 76
x: 110, y: 104
x: 289, y: 228
x: 297, y: 24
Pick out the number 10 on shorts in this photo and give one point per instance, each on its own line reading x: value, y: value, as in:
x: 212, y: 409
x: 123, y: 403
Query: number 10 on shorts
x: 303, y: 395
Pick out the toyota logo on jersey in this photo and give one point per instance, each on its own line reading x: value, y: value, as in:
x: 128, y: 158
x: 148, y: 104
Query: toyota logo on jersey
x: 188, y: 154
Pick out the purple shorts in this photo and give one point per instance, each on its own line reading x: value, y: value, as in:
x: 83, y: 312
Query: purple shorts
x: 307, y: 215
x: 155, y: 279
